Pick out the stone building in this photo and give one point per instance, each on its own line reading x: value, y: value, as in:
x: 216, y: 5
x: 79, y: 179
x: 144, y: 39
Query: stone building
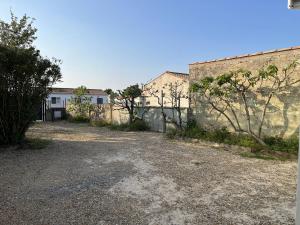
x: 283, y: 115
x: 167, y: 83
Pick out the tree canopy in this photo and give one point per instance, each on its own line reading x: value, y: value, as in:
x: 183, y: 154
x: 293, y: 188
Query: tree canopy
x: 25, y: 78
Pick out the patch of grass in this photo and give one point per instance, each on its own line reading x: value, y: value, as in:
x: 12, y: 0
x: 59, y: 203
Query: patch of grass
x: 290, y: 145
x: 257, y: 155
x: 171, y: 133
x: 78, y: 119
x: 137, y: 125
x: 35, y: 143
x: 99, y: 123
x: 275, y: 145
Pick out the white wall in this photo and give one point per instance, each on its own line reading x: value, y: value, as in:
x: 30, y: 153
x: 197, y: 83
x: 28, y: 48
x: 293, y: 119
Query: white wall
x: 66, y: 97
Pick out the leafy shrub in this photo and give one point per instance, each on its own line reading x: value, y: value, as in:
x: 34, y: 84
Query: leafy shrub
x: 191, y: 124
x: 194, y: 132
x: 99, y: 123
x: 257, y: 155
x: 219, y: 135
x: 78, y: 119
x: 290, y: 144
x: 222, y: 135
x: 171, y: 133
x: 25, y: 79
x: 137, y: 125
x: 122, y: 127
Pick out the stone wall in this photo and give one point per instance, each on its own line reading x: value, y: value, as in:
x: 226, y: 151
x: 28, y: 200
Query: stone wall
x: 283, y: 115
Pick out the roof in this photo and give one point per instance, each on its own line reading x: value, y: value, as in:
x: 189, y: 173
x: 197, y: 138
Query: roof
x: 71, y: 90
x: 177, y: 74
x: 248, y: 55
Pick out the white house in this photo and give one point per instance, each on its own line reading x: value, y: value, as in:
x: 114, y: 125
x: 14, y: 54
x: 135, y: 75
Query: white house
x: 58, y: 99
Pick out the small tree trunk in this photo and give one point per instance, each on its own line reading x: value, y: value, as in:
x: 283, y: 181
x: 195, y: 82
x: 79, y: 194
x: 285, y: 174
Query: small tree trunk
x: 264, y: 115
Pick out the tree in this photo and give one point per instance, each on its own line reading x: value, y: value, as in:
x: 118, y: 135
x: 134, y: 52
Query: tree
x: 170, y: 94
x: 112, y: 95
x: 160, y: 97
x: 25, y: 78
x: 81, y: 103
x: 228, y: 92
x: 126, y: 99
x: 177, y: 94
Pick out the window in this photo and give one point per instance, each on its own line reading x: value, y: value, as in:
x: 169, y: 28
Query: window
x: 99, y: 101
x: 55, y: 100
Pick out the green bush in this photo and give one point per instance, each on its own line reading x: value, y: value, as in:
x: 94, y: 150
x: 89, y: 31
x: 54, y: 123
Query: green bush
x: 222, y: 135
x: 99, y: 123
x: 171, y: 133
x: 137, y: 125
x: 191, y: 124
x: 78, y: 119
x: 219, y: 135
x: 290, y: 144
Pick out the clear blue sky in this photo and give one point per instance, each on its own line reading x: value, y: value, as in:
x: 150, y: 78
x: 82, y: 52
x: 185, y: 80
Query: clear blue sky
x: 114, y: 43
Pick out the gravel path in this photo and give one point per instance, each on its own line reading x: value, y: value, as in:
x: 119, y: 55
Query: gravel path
x: 94, y: 176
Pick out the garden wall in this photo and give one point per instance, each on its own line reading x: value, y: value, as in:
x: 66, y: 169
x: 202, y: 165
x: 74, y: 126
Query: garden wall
x: 283, y: 115
x: 151, y: 115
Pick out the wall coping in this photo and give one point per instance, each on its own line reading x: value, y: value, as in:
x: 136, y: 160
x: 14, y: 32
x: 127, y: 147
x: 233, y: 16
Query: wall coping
x: 247, y: 55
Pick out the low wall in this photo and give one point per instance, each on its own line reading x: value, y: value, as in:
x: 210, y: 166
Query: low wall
x: 151, y: 115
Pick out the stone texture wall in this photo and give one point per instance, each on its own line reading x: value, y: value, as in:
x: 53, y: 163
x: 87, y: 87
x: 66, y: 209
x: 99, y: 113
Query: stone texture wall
x: 283, y: 115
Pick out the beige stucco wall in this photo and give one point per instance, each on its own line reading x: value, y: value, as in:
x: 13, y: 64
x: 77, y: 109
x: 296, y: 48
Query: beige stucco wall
x: 161, y: 84
x: 283, y: 115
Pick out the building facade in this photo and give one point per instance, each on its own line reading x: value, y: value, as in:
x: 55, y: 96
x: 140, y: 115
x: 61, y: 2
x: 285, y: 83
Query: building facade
x: 55, y: 105
x: 165, y: 88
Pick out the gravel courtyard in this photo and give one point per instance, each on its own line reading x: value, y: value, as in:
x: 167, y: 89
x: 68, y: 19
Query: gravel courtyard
x: 94, y: 176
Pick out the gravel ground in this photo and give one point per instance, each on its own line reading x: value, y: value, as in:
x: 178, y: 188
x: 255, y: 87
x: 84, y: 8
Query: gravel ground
x: 94, y: 176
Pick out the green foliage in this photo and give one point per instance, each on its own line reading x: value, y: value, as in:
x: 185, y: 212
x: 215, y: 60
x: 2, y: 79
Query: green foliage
x: 99, y: 123
x: 222, y: 135
x: 290, y: 144
x: 131, y: 92
x: 25, y: 79
x: 81, y: 103
x: 230, y: 93
x: 19, y: 33
x: 112, y: 95
x: 78, y: 119
x: 257, y: 155
x: 137, y: 125
x: 191, y: 124
x: 172, y: 133
x: 126, y: 99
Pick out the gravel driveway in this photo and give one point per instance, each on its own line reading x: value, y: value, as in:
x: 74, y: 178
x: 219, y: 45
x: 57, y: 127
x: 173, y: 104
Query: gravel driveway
x: 94, y: 176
